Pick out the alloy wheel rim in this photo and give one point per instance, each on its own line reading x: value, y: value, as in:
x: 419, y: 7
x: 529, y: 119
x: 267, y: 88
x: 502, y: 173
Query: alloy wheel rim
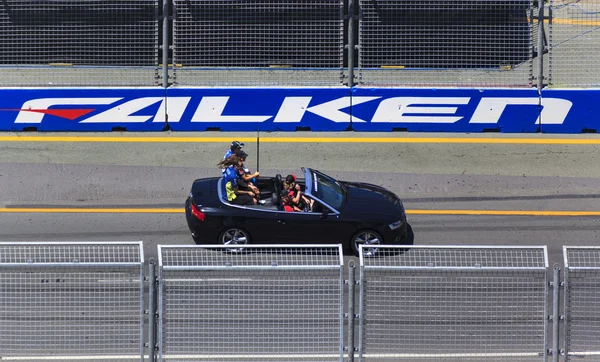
x: 367, y: 238
x: 235, y: 237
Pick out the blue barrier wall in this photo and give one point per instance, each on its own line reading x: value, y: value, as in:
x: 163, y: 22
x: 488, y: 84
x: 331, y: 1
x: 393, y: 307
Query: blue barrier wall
x: 259, y: 109
x: 584, y: 115
x: 82, y: 109
x: 291, y: 109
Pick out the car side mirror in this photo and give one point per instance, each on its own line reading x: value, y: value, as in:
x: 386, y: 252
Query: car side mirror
x: 324, y: 214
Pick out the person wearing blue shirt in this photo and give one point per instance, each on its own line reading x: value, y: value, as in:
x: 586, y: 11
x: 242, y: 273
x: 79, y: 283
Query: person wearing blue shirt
x: 232, y: 171
x: 235, y: 145
x: 230, y: 174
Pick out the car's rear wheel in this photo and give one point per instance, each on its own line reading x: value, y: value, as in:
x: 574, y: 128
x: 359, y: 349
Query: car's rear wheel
x: 234, y: 236
x: 370, y: 239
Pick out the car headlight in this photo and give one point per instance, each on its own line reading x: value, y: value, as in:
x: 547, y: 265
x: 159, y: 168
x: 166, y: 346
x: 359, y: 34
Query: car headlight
x: 397, y: 224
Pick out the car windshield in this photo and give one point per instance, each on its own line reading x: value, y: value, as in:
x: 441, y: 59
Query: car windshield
x: 328, y: 190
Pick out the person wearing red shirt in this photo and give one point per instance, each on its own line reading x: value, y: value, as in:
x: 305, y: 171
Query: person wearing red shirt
x: 294, y: 191
x: 286, y: 200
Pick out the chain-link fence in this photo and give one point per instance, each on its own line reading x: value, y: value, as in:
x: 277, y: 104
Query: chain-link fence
x: 574, y: 35
x: 433, y: 42
x: 582, y: 303
x: 258, y: 42
x: 70, y: 301
x: 79, y: 42
x: 453, y: 303
x: 261, y: 303
x: 298, y: 43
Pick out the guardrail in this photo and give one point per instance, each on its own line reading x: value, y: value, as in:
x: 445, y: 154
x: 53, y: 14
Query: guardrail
x: 87, y: 301
x: 72, y: 301
x: 454, y: 303
x: 275, y: 303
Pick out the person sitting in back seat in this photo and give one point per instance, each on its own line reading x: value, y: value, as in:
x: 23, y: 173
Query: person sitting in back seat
x: 244, y: 178
x: 228, y: 168
x: 236, y: 194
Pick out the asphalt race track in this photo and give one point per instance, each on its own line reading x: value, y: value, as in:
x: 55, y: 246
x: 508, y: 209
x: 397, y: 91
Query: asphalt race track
x: 490, y: 189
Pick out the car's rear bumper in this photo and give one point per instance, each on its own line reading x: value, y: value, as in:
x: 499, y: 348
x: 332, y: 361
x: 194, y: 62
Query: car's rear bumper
x: 203, y: 232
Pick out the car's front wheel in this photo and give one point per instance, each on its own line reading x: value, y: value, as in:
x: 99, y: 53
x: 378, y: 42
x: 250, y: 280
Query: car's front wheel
x: 370, y: 239
x: 234, y: 236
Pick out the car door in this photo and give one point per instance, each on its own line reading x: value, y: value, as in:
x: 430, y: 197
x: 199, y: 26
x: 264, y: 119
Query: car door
x: 299, y: 227
x: 261, y: 224
x: 311, y: 227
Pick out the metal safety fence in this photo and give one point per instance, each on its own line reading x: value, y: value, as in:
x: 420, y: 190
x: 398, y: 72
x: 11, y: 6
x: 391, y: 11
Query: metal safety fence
x: 275, y: 303
x: 79, y: 42
x: 72, y: 301
x: 582, y: 303
x: 258, y: 42
x: 439, y: 42
x: 86, y: 301
x: 435, y: 303
x: 422, y: 43
x: 574, y: 35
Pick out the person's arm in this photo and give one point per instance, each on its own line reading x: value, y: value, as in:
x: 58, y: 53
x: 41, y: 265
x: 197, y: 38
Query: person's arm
x: 242, y: 192
x: 297, y: 194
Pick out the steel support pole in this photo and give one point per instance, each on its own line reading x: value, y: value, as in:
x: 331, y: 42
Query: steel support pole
x: 351, y: 315
x: 350, y: 43
x: 540, y: 46
x: 361, y: 310
x: 165, y: 44
x: 152, y: 310
x: 555, y: 316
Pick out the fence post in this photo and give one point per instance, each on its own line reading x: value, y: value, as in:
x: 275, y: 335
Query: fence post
x: 555, y: 317
x: 350, y: 43
x: 152, y: 310
x: 361, y: 307
x: 165, y: 45
x: 351, y: 315
x: 540, y: 46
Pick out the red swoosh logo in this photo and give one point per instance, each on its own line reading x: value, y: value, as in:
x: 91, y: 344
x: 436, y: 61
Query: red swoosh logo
x: 70, y: 114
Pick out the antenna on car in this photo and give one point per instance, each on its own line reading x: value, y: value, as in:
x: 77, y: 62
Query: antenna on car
x: 257, y: 150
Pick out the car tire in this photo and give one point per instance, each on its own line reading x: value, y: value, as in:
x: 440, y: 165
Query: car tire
x: 366, y: 237
x: 234, y: 236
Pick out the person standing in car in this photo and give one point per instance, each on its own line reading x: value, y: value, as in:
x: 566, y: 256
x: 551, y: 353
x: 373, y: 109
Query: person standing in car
x: 235, y: 146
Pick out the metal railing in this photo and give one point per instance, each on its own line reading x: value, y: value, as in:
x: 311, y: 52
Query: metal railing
x: 581, y: 303
x: 448, y: 303
x: 310, y: 43
x: 72, y: 301
x: 275, y: 303
x: 87, y: 301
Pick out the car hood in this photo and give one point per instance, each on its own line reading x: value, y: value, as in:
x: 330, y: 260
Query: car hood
x: 369, y: 199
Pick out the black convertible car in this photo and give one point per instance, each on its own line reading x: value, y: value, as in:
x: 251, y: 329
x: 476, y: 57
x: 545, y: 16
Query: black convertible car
x: 347, y: 213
